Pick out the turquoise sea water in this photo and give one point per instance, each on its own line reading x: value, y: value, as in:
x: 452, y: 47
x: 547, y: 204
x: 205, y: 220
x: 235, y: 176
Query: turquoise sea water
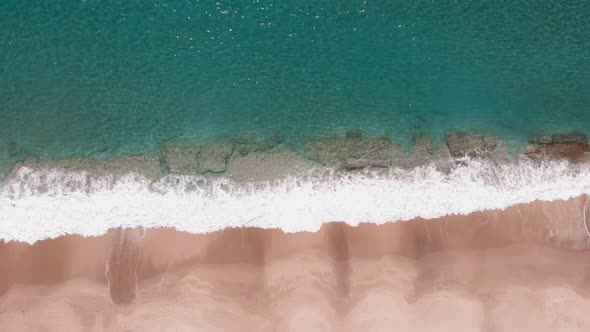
x: 100, y: 78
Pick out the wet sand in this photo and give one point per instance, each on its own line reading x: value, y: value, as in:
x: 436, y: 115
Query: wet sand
x: 523, y: 268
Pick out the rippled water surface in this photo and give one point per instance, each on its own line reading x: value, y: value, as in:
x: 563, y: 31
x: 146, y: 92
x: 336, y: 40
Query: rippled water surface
x: 99, y: 78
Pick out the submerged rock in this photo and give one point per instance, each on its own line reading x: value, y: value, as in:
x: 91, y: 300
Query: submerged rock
x: 573, y: 138
x: 353, y: 152
x: 267, y: 165
x: 181, y: 159
x: 572, y: 152
x: 500, y: 155
x: 248, y: 146
x: 422, y: 153
x: 213, y: 157
x: 443, y: 161
x: 463, y: 143
x: 146, y: 165
x: 573, y: 147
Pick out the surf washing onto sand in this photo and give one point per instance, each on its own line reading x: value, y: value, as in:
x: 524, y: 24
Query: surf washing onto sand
x: 295, y: 165
x: 46, y: 200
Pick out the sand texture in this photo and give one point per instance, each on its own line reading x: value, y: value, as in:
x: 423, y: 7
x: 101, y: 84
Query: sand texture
x: 524, y: 268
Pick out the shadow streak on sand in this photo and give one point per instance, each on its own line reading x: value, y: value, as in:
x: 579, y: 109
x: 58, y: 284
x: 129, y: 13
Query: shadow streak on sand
x: 121, y: 267
x: 165, y: 256
x: 338, y: 247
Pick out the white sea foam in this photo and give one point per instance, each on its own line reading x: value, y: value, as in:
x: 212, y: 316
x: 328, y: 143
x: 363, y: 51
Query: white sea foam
x: 38, y: 203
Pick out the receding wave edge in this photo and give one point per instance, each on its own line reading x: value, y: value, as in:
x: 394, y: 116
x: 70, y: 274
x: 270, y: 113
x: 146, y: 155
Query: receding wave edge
x: 47, y: 202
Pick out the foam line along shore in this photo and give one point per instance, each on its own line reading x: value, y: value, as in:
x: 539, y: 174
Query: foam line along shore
x: 354, y: 179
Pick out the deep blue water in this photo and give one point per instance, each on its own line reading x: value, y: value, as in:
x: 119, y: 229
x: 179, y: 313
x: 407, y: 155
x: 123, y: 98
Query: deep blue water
x: 99, y: 78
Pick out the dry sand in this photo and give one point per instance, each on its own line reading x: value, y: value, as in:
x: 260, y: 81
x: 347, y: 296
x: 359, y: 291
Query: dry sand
x: 526, y: 268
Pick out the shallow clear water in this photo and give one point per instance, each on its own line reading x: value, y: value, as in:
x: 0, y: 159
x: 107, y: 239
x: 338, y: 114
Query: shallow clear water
x: 98, y: 78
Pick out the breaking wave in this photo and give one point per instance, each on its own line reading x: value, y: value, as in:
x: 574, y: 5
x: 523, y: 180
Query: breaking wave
x: 46, y: 202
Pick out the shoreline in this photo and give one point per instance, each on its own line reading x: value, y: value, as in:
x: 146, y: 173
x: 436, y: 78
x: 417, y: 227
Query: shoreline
x: 352, y: 152
x: 79, y: 204
x: 352, y: 179
x: 556, y: 224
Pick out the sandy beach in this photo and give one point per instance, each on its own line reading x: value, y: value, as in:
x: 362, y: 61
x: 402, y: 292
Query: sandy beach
x: 526, y: 267
x: 345, y: 166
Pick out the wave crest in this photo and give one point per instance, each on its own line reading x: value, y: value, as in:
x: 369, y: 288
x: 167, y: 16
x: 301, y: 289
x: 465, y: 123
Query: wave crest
x: 46, y: 202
